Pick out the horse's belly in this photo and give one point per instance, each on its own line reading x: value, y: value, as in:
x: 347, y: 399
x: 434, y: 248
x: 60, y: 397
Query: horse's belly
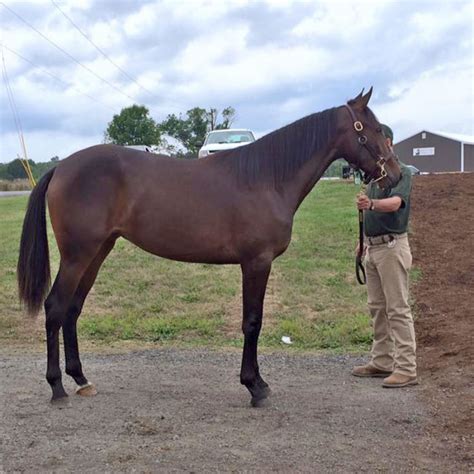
x: 198, y: 244
x: 205, y: 230
x: 188, y: 253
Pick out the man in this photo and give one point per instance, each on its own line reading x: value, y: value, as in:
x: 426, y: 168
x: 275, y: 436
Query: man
x: 387, y: 263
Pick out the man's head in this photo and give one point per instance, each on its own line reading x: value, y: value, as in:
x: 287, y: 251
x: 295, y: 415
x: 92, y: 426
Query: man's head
x: 388, y: 133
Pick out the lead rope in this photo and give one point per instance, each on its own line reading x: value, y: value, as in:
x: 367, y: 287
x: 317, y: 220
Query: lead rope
x: 359, y: 266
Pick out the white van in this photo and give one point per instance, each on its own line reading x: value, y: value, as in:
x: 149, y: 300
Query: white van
x: 225, y: 139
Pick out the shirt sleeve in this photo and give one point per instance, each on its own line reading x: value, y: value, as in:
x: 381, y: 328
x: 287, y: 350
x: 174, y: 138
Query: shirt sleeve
x: 403, y: 188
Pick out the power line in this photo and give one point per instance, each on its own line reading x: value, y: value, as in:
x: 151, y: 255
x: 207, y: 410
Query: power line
x: 58, y: 78
x: 125, y: 73
x: 170, y: 104
x: 11, y: 100
x: 19, y: 128
x: 67, y: 54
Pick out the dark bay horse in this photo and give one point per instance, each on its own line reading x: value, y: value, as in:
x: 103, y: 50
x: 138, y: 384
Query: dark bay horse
x: 234, y: 207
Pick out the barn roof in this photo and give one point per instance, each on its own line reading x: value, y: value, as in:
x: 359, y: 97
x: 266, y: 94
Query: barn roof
x: 459, y: 137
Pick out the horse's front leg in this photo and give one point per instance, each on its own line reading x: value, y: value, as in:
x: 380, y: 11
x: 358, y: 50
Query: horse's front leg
x: 254, y: 283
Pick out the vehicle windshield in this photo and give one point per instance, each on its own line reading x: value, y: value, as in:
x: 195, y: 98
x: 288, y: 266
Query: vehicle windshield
x: 229, y: 137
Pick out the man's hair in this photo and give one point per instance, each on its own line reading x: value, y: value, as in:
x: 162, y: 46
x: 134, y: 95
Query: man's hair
x: 387, y: 131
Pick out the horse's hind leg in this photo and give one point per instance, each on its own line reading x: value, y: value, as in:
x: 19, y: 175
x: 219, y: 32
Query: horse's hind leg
x: 71, y: 347
x: 254, y: 278
x: 56, y: 306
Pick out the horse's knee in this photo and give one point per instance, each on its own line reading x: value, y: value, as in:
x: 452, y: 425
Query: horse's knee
x: 75, y: 309
x: 55, y: 314
x: 53, y: 323
x: 252, y: 324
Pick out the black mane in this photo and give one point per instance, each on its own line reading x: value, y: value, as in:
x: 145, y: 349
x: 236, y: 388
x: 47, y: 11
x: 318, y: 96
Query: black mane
x: 277, y: 156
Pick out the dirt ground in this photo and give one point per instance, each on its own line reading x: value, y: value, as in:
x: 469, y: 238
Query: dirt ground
x: 183, y: 410
x: 443, y: 248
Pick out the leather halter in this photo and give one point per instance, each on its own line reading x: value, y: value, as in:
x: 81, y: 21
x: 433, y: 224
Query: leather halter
x: 362, y: 139
x: 380, y: 162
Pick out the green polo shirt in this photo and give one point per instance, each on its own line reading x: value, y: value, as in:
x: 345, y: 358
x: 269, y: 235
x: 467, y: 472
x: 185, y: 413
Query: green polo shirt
x: 380, y: 223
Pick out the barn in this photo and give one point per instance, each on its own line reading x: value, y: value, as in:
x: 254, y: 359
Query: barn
x: 435, y: 152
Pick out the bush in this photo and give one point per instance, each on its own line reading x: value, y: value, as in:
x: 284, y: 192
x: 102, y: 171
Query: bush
x: 14, y: 185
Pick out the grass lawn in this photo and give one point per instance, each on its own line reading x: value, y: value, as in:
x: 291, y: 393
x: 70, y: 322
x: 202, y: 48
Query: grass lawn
x: 312, y: 294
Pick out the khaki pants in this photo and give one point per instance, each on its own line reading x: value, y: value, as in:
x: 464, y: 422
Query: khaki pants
x: 394, y: 346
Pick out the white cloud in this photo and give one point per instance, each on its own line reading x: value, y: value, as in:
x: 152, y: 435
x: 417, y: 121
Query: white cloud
x: 440, y: 99
x: 429, y: 25
x: 103, y: 34
x: 349, y: 19
x: 139, y: 23
x: 245, y: 70
x: 60, y: 144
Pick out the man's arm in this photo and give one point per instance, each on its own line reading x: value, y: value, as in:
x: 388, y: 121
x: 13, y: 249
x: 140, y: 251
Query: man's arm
x: 390, y: 204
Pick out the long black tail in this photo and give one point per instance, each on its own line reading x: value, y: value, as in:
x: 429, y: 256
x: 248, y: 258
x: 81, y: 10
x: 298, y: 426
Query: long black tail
x: 33, y: 272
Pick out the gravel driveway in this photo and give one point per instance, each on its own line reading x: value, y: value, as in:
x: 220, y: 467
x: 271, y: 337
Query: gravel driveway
x: 184, y: 410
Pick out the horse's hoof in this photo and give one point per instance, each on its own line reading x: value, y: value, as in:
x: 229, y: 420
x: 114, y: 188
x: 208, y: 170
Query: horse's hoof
x: 60, y: 400
x: 59, y: 394
x: 86, y: 390
x: 265, y: 391
x: 260, y: 402
x: 260, y: 399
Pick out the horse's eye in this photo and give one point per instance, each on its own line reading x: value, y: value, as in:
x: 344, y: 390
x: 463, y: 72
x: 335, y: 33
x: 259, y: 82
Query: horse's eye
x: 379, y: 130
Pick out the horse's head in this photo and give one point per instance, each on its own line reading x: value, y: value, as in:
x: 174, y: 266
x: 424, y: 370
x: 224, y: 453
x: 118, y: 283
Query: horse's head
x: 364, y: 145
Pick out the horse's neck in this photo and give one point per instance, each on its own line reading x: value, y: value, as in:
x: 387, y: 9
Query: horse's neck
x: 308, y: 175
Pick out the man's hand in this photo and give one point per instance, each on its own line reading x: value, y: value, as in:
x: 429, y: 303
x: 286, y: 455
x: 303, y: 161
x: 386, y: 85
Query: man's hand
x: 363, y: 202
x: 390, y: 204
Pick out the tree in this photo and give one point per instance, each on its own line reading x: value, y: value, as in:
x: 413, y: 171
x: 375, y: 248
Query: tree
x: 228, y: 116
x: 133, y: 126
x: 41, y: 168
x: 15, y: 170
x: 191, y: 130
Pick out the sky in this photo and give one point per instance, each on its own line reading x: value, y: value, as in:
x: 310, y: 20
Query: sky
x: 273, y: 61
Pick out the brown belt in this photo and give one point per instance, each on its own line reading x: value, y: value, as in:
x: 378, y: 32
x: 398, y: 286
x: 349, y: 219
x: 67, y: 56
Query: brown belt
x: 384, y: 239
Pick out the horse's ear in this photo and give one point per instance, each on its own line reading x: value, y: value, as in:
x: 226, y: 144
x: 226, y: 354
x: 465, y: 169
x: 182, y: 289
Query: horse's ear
x: 360, y: 102
x: 364, y: 100
x: 356, y: 99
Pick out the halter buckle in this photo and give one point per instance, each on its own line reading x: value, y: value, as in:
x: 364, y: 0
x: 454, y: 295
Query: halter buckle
x: 383, y: 171
x: 358, y: 126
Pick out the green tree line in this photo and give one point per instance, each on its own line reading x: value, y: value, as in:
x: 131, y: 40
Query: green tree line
x: 135, y: 126
x: 14, y: 169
